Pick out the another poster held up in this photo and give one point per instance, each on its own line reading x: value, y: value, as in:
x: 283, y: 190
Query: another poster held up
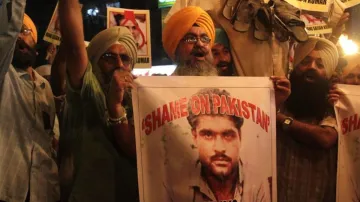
x: 315, y: 22
x: 193, y: 133
x: 348, y: 118
x: 312, y: 5
x: 138, y: 22
x: 52, y: 34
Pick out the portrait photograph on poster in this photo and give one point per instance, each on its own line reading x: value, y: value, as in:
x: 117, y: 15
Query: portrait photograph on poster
x: 138, y: 22
x: 348, y: 117
x: 195, y: 141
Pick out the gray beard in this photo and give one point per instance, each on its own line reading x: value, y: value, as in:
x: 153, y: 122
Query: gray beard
x: 197, y: 68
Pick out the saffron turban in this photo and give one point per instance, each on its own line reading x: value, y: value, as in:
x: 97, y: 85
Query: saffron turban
x: 30, y: 25
x: 327, y: 50
x: 181, y: 22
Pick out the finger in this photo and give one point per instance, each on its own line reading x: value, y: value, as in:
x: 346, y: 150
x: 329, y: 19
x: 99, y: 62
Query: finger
x: 283, y: 89
x: 283, y: 82
x: 134, y: 76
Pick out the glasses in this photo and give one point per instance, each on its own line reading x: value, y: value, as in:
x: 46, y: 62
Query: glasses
x: 190, y: 39
x: 112, y: 58
x: 25, y: 31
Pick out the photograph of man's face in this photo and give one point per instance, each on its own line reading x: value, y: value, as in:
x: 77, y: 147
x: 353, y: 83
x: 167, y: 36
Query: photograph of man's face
x: 218, y: 142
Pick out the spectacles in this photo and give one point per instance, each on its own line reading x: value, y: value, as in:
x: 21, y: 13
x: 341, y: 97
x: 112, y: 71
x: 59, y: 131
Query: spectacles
x: 25, y: 31
x: 190, y: 39
x: 112, y: 58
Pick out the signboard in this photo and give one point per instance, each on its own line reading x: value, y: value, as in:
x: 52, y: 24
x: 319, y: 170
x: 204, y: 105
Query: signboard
x: 348, y: 118
x: 138, y: 22
x: 194, y: 134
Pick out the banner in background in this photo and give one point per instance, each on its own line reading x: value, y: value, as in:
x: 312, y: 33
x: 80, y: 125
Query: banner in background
x: 52, y: 34
x: 344, y: 4
x: 312, y: 5
x: 138, y: 22
x: 315, y: 22
x: 190, y: 128
x: 348, y: 118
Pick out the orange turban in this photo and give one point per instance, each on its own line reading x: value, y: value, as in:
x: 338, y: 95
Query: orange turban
x: 30, y: 24
x: 181, y: 22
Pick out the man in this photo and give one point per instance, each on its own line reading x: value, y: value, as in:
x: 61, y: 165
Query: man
x: 222, y: 55
x: 307, y: 131
x: 27, y: 112
x: 351, y: 72
x: 219, y: 174
x: 97, y: 144
x: 187, y: 39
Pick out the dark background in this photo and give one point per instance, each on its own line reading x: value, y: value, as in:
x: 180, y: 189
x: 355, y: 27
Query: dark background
x: 41, y: 12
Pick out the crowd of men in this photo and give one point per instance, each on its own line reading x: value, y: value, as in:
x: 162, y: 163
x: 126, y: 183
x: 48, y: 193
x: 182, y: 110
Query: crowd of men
x: 86, y: 93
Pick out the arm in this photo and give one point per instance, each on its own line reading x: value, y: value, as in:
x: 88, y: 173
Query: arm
x: 11, y: 20
x: 339, y: 28
x: 58, y: 72
x: 313, y: 135
x: 125, y: 138
x: 72, y: 33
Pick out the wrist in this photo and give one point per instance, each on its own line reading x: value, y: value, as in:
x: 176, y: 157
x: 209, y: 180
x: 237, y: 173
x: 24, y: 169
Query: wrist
x: 116, y: 111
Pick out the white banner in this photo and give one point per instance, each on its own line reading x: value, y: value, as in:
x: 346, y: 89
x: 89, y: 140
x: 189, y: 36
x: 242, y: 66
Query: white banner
x: 199, y: 137
x: 348, y: 118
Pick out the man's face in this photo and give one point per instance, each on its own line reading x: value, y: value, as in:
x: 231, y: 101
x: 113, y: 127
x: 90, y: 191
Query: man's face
x: 195, y: 46
x: 352, y: 77
x: 218, y: 143
x: 132, y: 27
x: 312, y: 67
x: 25, y: 52
x: 222, y: 59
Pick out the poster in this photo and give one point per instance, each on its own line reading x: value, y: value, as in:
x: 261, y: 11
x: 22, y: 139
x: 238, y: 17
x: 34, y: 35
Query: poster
x: 193, y: 133
x: 315, y: 22
x: 312, y: 5
x: 138, y: 22
x: 344, y: 4
x: 52, y: 34
x: 348, y: 118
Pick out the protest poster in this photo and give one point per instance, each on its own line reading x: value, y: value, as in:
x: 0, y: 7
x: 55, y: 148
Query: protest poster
x: 52, y: 34
x: 193, y: 130
x: 344, y: 4
x: 348, y: 118
x: 315, y: 22
x: 138, y: 22
x: 312, y: 5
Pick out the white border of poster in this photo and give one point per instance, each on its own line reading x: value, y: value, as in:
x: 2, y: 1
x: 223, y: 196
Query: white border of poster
x: 141, y: 32
x: 348, y: 118
x: 166, y: 150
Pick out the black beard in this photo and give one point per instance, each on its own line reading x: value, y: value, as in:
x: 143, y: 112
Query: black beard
x: 308, y: 100
x: 23, y: 60
x: 228, y: 71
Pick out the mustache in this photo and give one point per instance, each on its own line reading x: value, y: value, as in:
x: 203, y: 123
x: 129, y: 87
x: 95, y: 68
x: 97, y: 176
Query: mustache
x: 199, y: 51
x: 222, y: 64
x: 220, y: 157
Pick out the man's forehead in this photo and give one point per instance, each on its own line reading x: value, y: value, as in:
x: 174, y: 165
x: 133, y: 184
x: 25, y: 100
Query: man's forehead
x: 315, y: 54
x: 196, y: 30
x: 218, y: 47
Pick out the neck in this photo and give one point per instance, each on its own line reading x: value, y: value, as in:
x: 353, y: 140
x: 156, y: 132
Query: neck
x: 223, y: 189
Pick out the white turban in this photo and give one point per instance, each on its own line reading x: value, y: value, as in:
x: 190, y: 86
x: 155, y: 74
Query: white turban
x: 327, y: 50
x: 103, y: 41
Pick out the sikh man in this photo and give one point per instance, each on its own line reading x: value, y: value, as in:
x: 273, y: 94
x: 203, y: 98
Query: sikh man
x: 306, y: 127
x: 28, y: 171
x: 219, y: 173
x: 97, y: 144
x: 221, y: 54
x: 351, y: 72
x: 187, y: 39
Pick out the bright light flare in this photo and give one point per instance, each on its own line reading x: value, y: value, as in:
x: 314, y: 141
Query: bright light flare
x: 349, y: 46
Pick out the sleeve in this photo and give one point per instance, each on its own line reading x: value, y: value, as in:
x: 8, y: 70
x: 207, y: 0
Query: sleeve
x: 11, y: 19
x: 329, y: 121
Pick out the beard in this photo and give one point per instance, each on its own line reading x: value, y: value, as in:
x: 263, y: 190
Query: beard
x: 228, y: 71
x: 308, y: 99
x: 193, y: 67
x: 24, y: 55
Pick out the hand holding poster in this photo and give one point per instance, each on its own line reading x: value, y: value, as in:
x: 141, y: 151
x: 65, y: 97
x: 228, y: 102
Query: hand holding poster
x: 348, y: 118
x: 198, y: 137
x: 138, y: 22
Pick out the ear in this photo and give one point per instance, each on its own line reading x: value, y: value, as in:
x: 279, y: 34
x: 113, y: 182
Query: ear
x: 194, y: 136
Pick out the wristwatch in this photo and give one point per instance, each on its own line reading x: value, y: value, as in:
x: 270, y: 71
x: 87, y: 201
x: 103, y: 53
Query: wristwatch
x: 116, y: 121
x: 287, y: 123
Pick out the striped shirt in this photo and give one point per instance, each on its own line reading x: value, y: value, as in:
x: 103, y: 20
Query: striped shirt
x: 27, y: 113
